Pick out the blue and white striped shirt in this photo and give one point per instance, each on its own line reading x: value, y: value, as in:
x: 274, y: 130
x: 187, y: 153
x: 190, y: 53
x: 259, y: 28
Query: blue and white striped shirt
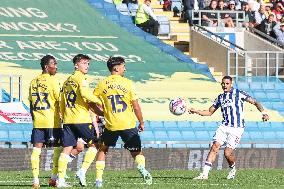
x: 232, y: 107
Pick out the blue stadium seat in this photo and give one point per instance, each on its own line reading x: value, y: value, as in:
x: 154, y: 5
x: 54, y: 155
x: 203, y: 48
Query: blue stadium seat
x: 256, y: 135
x: 255, y: 86
x: 133, y: 9
x: 171, y: 126
x: 260, y: 96
x: 175, y: 136
x: 279, y: 106
x: 245, y: 137
x: 202, y: 136
x: 273, y: 96
x: 16, y: 136
x: 197, y: 126
x: 277, y: 126
x: 125, y: 19
x: 267, y: 105
x: 113, y: 17
x: 147, y: 136
x: 184, y: 126
x: 268, y: 86
x: 97, y: 5
x: 269, y: 136
x: 176, y: 5
x: 280, y: 135
x: 252, y: 126
x: 4, y: 136
x: 123, y: 9
x: 161, y: 135
x: 157, y: 125
x: 211, y: 126
x: 188, y: 135
x: 27, y: 135
x: 279, y: 87
x: 244, y: 87
x: 164, y: 27
x: 264, y: 126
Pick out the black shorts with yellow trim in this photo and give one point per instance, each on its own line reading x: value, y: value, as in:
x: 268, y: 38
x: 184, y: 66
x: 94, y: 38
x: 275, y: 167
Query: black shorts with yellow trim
x: 48, y: 136
x: 71, y: 133
x: 130, y: 137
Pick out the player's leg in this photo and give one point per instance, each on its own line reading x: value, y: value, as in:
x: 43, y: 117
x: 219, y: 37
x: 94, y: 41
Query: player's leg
x: 76, y: 151
x: 88, y: 159
x: 108, y: 138
x: 68, y: 141
x: 37, y: 139
x: 132, y: 142
x: 87, y: 133
x: 55, y: 135
x: 231, y: 159
x: 233, y: 140
x: 218, y: 140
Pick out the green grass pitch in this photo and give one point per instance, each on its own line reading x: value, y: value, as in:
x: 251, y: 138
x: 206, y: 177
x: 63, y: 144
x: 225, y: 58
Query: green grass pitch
x: 246, y: 178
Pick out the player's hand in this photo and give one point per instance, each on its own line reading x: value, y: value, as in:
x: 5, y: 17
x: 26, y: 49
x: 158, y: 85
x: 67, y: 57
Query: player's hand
x: 192, y: 111
x: 141, y: 127
x: 265, y: 117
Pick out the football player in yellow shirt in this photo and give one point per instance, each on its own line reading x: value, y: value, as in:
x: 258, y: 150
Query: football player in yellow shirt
x: 74, y: 107
x: 121, y: 108
x: 44, y: 106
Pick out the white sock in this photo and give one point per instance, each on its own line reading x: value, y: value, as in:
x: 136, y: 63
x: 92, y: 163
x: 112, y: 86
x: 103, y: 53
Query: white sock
x: 61, y: 180
x: 36, y: 180
x: 207, y: 167
x: 233, y: 166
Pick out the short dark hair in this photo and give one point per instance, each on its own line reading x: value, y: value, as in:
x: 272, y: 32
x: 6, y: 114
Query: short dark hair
x: 113, y: 61
x: 45, y: 60
x: 79, y: 57
x: 228, y: 77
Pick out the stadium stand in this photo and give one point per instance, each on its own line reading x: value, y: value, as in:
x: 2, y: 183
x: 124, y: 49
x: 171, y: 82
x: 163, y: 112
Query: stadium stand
x: 163, y: 129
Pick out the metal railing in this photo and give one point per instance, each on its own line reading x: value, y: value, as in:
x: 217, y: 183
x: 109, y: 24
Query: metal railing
x: 196, y: 16
x: 217, y: 38
x: 266, y: 37
x: 12, y: 84
x: 256, y: 63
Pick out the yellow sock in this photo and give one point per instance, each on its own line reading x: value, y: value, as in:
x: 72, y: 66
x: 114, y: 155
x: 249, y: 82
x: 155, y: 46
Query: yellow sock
x: 140, y: 160
x: 56, y: 154
x: 62, y: 165
x: 100, y: 166
x: 35, y: 161
x: 89, y: 158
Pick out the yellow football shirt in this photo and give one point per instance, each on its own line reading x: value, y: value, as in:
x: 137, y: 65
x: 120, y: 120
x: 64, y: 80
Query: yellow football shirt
x: 117, y: 94
x: 44, y: 97
x: 75, y: 96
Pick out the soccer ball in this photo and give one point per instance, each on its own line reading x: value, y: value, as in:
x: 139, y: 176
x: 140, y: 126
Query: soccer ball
x: 177, y: 106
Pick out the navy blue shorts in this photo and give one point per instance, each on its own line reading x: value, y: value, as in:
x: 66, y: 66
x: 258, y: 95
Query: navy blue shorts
x: 71, y: 133
x: 130, y: 137
x: 49, y: 136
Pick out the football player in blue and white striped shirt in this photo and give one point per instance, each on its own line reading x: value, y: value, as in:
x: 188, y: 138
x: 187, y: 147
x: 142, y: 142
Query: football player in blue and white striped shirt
x: 232, y: 127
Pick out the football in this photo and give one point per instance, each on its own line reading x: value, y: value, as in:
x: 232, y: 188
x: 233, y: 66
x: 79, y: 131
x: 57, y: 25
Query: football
x: 177, y: 106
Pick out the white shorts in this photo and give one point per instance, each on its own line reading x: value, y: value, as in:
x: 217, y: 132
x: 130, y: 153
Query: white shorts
x: 228, y: 136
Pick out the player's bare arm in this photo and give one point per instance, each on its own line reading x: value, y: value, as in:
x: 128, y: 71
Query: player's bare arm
x: 208, y: 112
x: 138, y: 114
x: 94, y: 108
x: 260, y: 108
